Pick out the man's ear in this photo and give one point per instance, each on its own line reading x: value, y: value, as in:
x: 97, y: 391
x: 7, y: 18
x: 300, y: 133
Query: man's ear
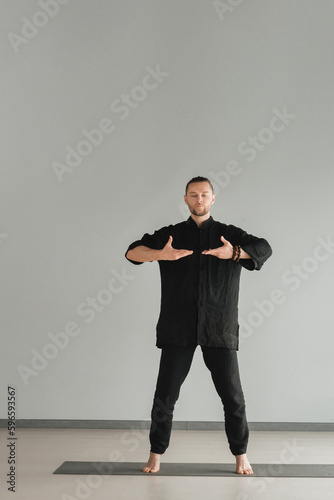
x: 185, y: 199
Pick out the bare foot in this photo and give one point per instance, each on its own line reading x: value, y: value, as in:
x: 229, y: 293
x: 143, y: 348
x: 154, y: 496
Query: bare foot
x: 153, y: 464
x: 243, y: 465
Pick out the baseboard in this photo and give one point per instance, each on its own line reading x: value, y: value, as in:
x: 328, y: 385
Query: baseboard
x: 177, y: 425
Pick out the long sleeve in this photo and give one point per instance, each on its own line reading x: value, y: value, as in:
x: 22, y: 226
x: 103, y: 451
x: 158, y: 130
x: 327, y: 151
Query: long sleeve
x: 156, y: 241
x: 258, y: 248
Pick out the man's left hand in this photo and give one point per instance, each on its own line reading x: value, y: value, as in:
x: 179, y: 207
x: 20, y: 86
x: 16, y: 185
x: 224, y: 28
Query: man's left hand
x: 223, y: 252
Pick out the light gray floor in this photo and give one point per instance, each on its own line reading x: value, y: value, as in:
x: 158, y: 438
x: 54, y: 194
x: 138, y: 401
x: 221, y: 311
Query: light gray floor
x: 41, y: 451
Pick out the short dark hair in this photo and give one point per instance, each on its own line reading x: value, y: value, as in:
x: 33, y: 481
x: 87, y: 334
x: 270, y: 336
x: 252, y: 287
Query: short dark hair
x: 199, y: 178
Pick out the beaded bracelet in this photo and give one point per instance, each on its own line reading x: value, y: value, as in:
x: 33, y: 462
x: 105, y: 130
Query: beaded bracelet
x: 236, y: 253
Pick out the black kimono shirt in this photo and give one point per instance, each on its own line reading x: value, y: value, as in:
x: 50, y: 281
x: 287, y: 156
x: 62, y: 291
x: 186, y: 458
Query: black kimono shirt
x: 199, y: 293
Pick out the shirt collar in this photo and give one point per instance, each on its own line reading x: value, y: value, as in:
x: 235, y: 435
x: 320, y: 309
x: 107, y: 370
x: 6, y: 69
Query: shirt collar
x: 190, y: 221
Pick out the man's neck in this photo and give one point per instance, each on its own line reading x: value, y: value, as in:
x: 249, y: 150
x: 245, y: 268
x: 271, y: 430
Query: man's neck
x: 199, y: 219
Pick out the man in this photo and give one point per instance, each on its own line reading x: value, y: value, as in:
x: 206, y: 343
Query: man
x: 200, y: 262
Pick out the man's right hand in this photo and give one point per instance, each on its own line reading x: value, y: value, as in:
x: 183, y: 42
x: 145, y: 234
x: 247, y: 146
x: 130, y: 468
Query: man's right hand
x: 170, y: 253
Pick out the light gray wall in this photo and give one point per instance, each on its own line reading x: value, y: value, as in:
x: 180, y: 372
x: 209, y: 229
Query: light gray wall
x: 225, y: 74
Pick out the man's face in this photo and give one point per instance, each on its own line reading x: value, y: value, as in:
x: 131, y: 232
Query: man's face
x: 199, y: 198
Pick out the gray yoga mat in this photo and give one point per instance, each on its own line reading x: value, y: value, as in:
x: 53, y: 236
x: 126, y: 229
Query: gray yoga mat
x: 195, y: 469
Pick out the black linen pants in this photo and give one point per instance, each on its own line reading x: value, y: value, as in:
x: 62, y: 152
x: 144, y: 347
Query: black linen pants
x: 175, y: 364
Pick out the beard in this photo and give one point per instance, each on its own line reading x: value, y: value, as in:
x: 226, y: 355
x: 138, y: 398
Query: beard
x: 199, y: 211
